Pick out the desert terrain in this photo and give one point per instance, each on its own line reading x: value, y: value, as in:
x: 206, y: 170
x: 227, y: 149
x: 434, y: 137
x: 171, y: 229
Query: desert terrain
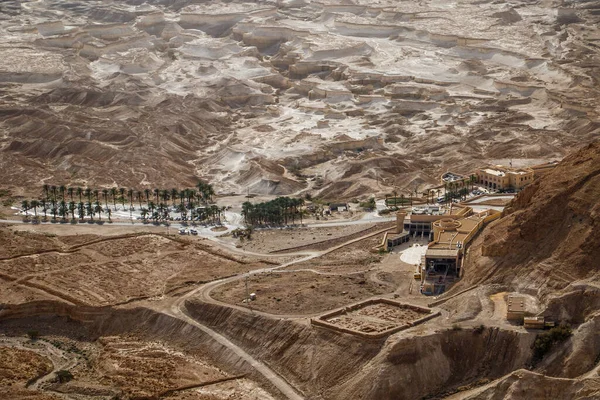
x: 334, y: 99
x: 325, y: 100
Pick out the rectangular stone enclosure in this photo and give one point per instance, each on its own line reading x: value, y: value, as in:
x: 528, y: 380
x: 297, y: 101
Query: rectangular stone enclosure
x: 374, y: 318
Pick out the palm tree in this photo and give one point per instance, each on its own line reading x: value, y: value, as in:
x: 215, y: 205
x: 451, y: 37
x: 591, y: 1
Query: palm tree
x: 164, y: 195
x: 96, y: 192
x: 46, y: 189
x: 205, y: 191
x: 35, y: 204
x: 156, y: 192
x: 88, y: 194
x: 90, y: 210
x: 109, y: 214
x: 130, y: 197
x: 151, y: 207
x: 402, y: 200
x: 63, y: 210
x: 139, y: 197
x: 113, y: 192
x: 25, y: 206
x: 79, y: 191
x: 98, y: 209
x: 81, y: 210
x: 53, y: 190
x: 44, y: 204
x: 105, y: 194
x: 72, y: 208
x: 174, y: 193
x: 215, y: 211
x: 147, y: 193
x: 62, y: 189
x: 191, y: 194
x: 181, y: 196
x: 416, y: 191
x: 122, y: 194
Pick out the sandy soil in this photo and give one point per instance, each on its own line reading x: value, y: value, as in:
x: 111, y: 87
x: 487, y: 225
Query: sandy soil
x: 359, y: 256
x: 285, y: 240
x: 127, y: 367
x: 349, y: 274
x: 300, y: 293
x: 18, y: 366
x: 289, y: 97
x: 80, y: 269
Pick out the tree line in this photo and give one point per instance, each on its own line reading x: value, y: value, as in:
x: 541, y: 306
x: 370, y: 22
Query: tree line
x: 157, y: 204
x: 279, y: 211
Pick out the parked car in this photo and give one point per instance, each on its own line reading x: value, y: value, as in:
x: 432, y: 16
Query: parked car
x: 193, y: 231
x: 183, y: 231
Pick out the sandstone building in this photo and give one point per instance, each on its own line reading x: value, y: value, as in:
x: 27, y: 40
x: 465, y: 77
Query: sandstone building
x: 499, y: 177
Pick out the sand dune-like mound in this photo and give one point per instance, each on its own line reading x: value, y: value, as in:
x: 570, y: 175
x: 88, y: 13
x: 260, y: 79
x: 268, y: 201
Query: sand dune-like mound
x: 439, y: 88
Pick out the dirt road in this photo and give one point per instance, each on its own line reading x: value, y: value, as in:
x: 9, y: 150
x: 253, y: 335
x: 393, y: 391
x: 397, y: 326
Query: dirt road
x: 177, y: 310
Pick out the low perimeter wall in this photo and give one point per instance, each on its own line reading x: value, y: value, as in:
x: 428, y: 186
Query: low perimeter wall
x: 321, y: 320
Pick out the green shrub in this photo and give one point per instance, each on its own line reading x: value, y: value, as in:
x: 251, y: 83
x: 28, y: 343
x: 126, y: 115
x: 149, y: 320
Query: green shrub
x: 64, y: 376
x: 33, y: 335
x: 369, y: 204
x: 545, y: 341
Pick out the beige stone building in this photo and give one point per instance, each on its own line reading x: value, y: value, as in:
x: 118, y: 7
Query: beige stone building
x: 515, y: 310
x: 499, y: 177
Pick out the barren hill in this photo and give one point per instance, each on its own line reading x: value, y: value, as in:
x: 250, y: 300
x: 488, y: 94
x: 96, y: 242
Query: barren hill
x: 340, y: 99
x: 550, y: 237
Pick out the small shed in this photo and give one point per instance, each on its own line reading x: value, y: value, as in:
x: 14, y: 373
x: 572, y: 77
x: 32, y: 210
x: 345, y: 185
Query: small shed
x: 339, y: 207
x: 534, y: 322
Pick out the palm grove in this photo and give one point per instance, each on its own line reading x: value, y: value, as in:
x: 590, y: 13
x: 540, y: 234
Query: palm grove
x: 279, y: 211
x: 157, y: 204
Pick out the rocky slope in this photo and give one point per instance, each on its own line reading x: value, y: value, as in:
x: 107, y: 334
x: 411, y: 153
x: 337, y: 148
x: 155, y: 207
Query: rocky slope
x: 338, y: 98
x: 549, y: 239
x: 548, y: 246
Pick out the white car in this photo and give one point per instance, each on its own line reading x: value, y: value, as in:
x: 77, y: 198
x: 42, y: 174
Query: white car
x: 193, y: 231
x: 183, y: 231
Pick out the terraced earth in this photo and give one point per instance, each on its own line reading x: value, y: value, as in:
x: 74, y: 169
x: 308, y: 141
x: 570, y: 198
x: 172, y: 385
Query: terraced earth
x: 334, y: 98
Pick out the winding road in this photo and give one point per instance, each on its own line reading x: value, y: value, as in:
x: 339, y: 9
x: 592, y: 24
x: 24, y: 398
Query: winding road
x: 178, y: 310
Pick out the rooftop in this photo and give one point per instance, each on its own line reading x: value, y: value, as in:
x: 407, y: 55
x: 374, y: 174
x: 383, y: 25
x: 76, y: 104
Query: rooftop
x: 516, y: 304
x: 437, y: 252
x: 494, y: 172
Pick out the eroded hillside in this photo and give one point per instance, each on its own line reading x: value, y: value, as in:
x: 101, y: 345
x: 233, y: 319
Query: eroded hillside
x: 290, y: 96
x: 550, y: 236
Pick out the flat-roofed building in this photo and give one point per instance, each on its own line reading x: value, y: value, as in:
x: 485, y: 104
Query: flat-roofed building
x: 515, y: 308
x: 499, y: 177
x: 534, y: 322
x: 451, y: 235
